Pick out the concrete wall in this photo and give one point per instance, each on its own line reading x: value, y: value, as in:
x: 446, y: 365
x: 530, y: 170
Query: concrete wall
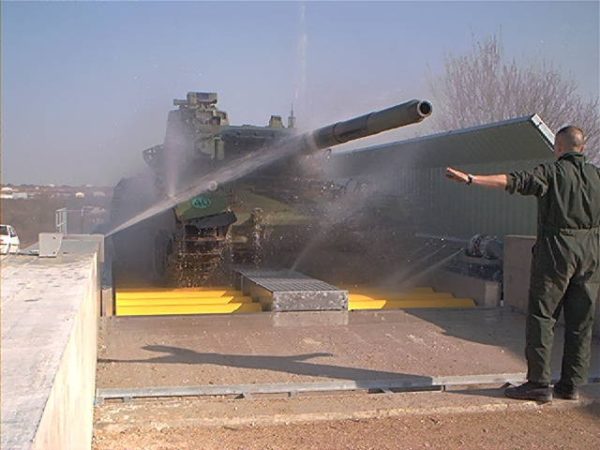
x: 67, y: 421
x: 517, y: 262
x: 485, y: 293
x: 49, y: 342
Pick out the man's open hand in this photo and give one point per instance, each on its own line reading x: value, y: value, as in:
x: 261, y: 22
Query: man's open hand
x: 456, y: 175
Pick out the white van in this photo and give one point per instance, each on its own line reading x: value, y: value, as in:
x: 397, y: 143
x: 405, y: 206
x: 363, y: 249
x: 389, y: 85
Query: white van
x: 9, y: 241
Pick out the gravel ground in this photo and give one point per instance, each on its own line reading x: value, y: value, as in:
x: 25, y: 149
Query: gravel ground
x: 312, y: 347
x: 267, y: 348
x: 545, y: 428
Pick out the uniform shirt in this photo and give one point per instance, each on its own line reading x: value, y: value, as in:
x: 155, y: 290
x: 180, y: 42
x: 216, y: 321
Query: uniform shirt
x: 567, y: 191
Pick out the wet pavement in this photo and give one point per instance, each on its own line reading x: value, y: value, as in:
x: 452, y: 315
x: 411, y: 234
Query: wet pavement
x: 312, y: 347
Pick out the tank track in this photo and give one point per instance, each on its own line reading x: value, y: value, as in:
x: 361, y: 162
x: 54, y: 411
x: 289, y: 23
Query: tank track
x: 195, y: 259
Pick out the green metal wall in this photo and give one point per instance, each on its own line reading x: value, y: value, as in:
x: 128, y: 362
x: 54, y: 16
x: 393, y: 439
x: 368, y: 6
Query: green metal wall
x: 443, y: 207
x: 413, y: 171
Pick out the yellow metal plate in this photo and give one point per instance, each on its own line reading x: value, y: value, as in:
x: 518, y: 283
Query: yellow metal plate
x: 224, y: 300
x: 354, y: 305
x: 155, y: 310
x: 181, y: 301
x: 177, y: 293
x: 398, y: 297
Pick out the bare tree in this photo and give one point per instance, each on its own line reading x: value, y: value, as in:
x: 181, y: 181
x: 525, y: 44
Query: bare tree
x: 483, y: 87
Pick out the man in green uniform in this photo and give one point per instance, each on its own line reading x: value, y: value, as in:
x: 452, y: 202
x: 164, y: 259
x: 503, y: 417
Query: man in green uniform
x: 565, y: 271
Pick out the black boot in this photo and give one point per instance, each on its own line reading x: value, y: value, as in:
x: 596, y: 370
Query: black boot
x: 530, y: 391
x: 566, y: 391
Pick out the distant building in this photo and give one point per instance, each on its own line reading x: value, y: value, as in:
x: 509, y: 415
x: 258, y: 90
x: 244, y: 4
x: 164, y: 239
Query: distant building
x: 79, y: 195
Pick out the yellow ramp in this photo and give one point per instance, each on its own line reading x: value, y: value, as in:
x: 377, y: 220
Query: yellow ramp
x: 423, y: 297
x: 223, y: 300
x: 183, y: 301
x: 176, y: 293
x: 150, y: 302
x: 355, y: 305
x: 160, y: 310
x: 399, y: 297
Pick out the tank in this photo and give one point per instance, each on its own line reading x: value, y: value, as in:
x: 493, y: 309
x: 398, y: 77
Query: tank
x: 235, y: 222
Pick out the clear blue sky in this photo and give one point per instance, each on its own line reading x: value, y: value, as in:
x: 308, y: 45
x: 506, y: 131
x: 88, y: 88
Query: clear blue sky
x: 87, y: 86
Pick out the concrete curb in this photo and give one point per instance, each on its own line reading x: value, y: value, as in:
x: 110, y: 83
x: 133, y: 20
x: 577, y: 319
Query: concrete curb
x: 157, y: 415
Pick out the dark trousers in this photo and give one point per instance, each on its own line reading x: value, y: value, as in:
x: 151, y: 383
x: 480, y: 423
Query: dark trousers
x: 564, y: 277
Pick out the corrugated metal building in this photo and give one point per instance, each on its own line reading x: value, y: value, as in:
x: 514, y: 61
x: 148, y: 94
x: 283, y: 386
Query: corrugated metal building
x: 414, y: 170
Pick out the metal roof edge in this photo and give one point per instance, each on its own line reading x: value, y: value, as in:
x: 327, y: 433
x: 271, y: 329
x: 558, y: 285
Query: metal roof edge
x: 536, y: 120
x: 544, y: 129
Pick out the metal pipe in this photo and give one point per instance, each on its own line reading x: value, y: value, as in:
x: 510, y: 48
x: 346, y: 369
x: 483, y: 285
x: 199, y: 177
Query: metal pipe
x: 442, y: 238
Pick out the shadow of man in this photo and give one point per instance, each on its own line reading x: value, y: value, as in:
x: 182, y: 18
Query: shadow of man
x: 294, y: 364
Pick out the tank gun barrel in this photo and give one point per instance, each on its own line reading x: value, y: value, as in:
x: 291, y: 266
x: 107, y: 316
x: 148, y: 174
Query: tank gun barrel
x: 413, y: 111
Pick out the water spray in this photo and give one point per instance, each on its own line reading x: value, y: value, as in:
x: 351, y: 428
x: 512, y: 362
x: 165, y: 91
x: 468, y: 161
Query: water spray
x: 376, y: 122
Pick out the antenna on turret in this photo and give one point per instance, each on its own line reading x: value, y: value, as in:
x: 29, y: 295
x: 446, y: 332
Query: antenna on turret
x: 292, y: 118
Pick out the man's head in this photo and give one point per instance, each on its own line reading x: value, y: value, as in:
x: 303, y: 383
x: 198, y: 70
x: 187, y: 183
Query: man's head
x: 569, y: 139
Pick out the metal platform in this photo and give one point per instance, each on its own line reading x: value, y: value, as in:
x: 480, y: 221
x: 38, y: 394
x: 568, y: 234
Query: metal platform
x: 287, y: 290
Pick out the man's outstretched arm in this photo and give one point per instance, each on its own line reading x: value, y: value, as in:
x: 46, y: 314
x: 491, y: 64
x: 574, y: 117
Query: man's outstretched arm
x: 499, y: 181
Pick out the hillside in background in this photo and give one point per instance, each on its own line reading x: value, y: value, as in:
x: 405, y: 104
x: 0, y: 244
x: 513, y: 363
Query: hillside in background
x: 36, y: 215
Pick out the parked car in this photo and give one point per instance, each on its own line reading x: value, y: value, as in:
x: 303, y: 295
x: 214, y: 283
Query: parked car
x: 9, y: 241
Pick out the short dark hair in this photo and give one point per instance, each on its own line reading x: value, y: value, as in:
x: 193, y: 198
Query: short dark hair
x: 573, y: 136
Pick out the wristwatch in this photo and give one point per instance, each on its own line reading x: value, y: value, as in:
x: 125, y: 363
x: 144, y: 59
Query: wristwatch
x: 469, y: 178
